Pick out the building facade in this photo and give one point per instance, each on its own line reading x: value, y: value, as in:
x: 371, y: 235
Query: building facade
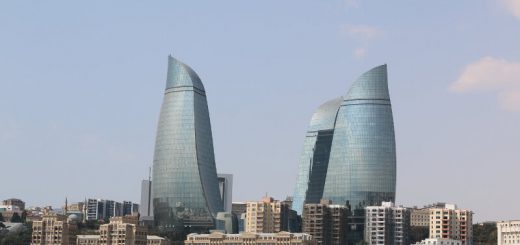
x: 95, y: 240
x: 281, y: 238
x: 508, y: 232
x: 185, y: 188
x: 450, y: 222
x: 349, y: 154
x: 54, y: 229
x: 146, y: 207
x: 225, y: 184
x: 325, y: 222
x: 122, y: 230
x: 266, y: 216
x: 14, y: 201
x: 439, y: 241
x: 387, y: 224
x: 87, y: 240
x: 420, y: 217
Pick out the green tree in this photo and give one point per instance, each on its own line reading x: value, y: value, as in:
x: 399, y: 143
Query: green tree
x: 1, y: 218
x: 24, y: 216
x: 484, y: 234
x: 418, y: 233
x: 16, y: 218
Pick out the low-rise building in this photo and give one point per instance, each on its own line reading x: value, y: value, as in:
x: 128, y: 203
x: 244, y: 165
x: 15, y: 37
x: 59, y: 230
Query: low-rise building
x: 439, y: 241
x: 251, y: 238
x: 508, y: 232
x: 157, y: 240
x: 87, y: 240
x: 94, y: 240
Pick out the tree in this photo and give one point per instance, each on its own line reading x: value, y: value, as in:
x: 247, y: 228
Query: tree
x: 418, y: 233
x: 16, y: 218
x: 1, y: 218
x: 484, y: 234
x: 24, y: 216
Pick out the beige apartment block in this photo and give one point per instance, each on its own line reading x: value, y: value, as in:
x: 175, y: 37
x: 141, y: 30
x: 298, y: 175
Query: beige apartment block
x: 123, y: 230
x: 508, y: 232
x: 420, y: 217
x: 452, y: 223
x: 281, y: 238
x: 265, y: 216
x: 87, y: 240
x: 325, y: 222
x: 54, y: 229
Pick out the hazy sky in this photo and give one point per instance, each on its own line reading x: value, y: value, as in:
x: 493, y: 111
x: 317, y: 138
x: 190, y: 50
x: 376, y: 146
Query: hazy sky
x: 82, y: 85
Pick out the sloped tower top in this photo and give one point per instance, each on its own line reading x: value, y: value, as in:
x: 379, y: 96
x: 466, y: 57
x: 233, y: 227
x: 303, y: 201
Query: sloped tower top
x: 325, y: 116
x: 181, y: 75
x: 372, y: 85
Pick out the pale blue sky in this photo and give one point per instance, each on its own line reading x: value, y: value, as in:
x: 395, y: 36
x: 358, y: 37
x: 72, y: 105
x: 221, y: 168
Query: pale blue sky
x: 81, y: 86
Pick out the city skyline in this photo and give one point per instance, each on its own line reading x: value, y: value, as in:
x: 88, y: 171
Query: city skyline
x: 81, y: 84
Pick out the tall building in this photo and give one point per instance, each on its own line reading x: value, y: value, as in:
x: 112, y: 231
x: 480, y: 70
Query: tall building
x: 225, y: 184
x: 146, y: 207
x: 349, y: 150
x: 95, y: 209
x: 508, y: 232
x: 387, y: 224
x: 452, y: 223
x: 281, y: 238
x: 326, y: 223
x: 185, y: 185
x: 349, y: 154
x: 266, y: 216
x: 54, y: 229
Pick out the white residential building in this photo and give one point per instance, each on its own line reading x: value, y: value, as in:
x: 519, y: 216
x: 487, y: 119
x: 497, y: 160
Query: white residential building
x: 387, y: 224
x: 508, y: 232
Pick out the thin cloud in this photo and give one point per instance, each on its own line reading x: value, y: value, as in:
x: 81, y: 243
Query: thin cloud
x: 362, y: 33
x: 492, y: 74
x: 360, y: 53
x: 513, y: 6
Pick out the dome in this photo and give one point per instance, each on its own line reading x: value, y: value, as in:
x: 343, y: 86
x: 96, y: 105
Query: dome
x: 73, y: 218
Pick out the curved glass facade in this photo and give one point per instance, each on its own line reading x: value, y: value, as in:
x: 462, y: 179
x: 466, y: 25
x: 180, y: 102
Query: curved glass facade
x: 185, y: 185
x: 362, y: 164
x: 349, y: 152
x: 315, y: 155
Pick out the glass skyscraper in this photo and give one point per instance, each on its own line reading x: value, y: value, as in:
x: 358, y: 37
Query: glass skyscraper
x: 185, y: 186
x: 349, y: 151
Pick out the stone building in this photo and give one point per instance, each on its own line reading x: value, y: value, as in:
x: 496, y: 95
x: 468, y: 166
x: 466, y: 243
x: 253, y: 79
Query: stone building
x: 54, y: 229
x: 280, y: 238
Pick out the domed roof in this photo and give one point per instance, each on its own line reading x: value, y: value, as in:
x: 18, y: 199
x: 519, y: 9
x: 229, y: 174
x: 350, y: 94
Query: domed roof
x: 73, y: 218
